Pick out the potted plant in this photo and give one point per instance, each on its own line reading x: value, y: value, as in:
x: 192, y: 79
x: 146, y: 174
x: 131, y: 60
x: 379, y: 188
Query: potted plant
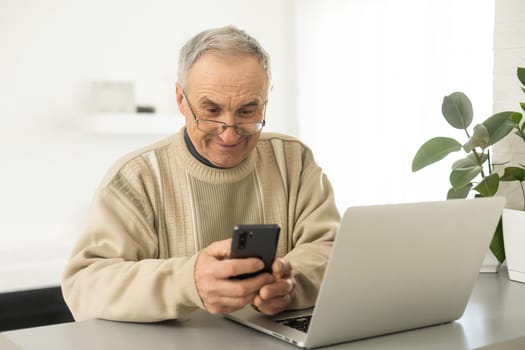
x: 474, y: 172
x: 514, y: 220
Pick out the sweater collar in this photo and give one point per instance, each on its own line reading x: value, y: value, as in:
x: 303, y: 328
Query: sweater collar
x: 200, y: 170
x: 196, y: 154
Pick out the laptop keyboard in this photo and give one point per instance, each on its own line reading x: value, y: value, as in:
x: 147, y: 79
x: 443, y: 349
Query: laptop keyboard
x: 300, y: 323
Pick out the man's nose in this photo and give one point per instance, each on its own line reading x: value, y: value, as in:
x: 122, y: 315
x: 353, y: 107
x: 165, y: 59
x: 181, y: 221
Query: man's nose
x: 229, y: 136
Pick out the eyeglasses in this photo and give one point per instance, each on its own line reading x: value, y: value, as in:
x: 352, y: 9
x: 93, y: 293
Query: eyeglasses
x: 215, y: 127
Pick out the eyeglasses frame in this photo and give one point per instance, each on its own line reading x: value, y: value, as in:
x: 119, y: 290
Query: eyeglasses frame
x: 225, y: 126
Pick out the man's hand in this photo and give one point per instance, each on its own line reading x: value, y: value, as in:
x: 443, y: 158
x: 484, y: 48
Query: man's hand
x: 276, y: 296
x: 219, y: 293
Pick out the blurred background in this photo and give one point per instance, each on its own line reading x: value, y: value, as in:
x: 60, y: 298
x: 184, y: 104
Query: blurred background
x: 360, y: 81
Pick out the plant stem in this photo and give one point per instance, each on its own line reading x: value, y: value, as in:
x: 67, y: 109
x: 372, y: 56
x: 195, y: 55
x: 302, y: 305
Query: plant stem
x: 479, y: 162
x: 523, y: 194
x: 490, y: 165
x: 477, y: 156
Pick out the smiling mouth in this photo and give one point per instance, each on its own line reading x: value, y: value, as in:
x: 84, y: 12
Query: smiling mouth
x: 227, y: 146
x: 228, y: 149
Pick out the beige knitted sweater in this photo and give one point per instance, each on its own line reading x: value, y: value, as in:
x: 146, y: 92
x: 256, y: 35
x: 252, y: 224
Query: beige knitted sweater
x: 159, y: 206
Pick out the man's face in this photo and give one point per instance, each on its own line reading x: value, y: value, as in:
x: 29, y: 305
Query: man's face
x: 230, y: 89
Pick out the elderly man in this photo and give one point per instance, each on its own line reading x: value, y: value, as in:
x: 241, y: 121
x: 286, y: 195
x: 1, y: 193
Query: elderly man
x: 157, y: 242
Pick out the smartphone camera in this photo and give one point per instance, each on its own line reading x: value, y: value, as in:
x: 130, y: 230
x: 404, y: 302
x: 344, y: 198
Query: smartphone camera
x: 242, y: 239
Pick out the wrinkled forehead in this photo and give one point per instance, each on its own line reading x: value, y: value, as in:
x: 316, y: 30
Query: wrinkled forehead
x: 242, y: 73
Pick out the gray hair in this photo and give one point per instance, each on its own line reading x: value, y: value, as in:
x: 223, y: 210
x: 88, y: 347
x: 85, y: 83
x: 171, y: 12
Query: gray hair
x: 226, y: 40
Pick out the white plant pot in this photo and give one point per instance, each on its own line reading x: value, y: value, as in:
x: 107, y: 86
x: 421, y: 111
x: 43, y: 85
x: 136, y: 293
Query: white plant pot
x: 514, y: 241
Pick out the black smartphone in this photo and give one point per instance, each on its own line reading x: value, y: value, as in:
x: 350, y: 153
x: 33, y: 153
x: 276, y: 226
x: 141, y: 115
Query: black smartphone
x: 255, y: 241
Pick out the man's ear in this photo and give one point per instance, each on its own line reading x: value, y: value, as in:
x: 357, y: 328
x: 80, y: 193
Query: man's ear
x: 180, y: 98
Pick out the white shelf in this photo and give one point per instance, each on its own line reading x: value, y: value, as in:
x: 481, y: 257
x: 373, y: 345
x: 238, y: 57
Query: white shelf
x: 132, y: 124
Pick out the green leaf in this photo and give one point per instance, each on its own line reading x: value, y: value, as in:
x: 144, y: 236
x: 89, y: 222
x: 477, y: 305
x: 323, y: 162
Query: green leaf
x: 457, y: 110
x: 513, y: 173
x: 469, y: 161
x: 521, y: 75
x: 496, y: 245
x: 500, y: 125
x: 522, y: 105
x: 434, y: 150
x: 480, y: 138
x: 459, y: 193
x: 462, y: 176
x: 516, y: 117
x: 488, y: 186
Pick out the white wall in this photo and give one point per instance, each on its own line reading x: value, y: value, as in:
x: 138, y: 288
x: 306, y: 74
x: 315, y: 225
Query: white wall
x: 509, y: 53
x: 377, y: 74
x: 50, y: 51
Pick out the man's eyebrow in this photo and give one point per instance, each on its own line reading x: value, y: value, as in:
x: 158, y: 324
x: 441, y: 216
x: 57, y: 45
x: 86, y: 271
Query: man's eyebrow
x: 253, y: 103
x: 206, y: 102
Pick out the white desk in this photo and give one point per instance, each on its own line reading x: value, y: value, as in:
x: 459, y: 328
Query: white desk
x: 495, y: 313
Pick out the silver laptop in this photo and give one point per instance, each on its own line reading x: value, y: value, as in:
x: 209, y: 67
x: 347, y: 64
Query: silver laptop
x: 392, y: 268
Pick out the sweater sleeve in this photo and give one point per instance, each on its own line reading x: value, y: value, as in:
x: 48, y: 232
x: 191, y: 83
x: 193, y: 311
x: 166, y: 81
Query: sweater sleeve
x: 316, y: 221
x: 115, y: 272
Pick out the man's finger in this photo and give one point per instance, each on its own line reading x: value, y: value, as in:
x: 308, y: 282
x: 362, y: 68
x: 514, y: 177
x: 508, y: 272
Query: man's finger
x: 234, y: 267
x: 240, y: 288
x: 279, y: 288
x: 220, y: 249
x: 273, y: 306
x: 226, y: 295
x: 281, y: 268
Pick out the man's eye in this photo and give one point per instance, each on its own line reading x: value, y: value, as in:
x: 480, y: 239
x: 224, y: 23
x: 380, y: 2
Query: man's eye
x: 211, y: 112
x: 247, y: 112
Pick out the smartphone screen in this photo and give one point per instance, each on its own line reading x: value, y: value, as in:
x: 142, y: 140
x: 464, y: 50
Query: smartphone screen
x: 255, y: 241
